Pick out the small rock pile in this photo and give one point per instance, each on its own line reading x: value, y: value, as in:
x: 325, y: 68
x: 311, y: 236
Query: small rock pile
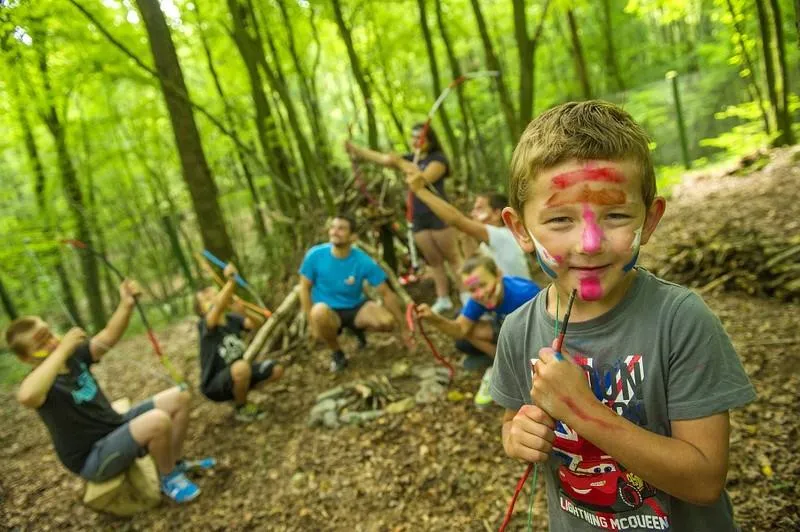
x: 362, y: 401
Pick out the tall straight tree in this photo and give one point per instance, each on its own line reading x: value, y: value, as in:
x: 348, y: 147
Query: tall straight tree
x: 492, y: 63
x: 577, y: 52
x: 39, y: 186
x: 437, y: 85
x: 358, y: 73
x: 281, y: 164
x: 455, y: 72
x: 8, y: 304
x: 527, y: 58
x: 73, y: 193
x: 784, y: 116
x: 196, y: 172
x: 612, y: 65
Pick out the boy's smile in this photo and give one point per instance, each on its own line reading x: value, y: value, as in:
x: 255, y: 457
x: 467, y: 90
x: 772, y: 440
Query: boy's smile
x: 585, y: 221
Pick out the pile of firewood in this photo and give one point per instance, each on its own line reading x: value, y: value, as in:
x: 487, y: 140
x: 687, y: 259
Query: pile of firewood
x: 737, y: 259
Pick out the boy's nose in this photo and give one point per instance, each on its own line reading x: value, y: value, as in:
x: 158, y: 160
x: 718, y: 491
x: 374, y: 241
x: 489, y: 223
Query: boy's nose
x: 592, y: 237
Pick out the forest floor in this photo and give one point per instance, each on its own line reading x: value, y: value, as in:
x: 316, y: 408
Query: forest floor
x: 439, y: 466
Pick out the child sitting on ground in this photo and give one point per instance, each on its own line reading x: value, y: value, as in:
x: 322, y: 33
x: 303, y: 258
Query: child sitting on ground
x: 91, y: 439
x: 490, y: 292
x: 225, y: 376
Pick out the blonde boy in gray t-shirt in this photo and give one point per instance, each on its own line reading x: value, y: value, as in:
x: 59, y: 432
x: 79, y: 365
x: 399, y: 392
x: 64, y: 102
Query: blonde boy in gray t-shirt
x: 632, y: 425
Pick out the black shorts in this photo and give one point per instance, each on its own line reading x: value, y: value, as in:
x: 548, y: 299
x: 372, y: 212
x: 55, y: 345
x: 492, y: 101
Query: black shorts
x: 347, y: 317
x: 220, y: 388
x: 427, y: 221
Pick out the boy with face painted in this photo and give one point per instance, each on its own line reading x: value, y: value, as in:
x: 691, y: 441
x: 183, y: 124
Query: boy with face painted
x: 224, y: 374
x: 91, y: 439
x: 632, y: 426
x: 490, y: 292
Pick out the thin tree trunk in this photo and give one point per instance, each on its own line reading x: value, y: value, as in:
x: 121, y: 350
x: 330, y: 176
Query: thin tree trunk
x: 455, y: 72
x: 611, y: 54
x: 266, y: 127
x: 784, y: 116
x: 74, y: 196
x: 752, y: 83
x: 316, y: 179
x: 527, y: 59
x: 492, y: 63
x: 580, y: 61
x: 308, y: 93
x: 196, y: 173
x: 769, y: 66
x: 231, y: 123
x: 40, y: 181
x: 437, y: 86
x: 8, y: 304
x: 358, y: 73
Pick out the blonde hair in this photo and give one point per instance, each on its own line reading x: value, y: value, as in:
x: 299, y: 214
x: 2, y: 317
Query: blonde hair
x: 15, y: 332
x: 582, y: 131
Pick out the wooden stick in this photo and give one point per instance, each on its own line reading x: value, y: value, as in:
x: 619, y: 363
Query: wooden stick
x: 286, y: 310
x: 391, y: 277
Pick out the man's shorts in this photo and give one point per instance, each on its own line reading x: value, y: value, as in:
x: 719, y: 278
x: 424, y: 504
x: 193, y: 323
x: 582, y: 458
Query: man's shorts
x: 220, y: 388
x: 114, y: 453
x: 427, y: 221
x: 347, y: 317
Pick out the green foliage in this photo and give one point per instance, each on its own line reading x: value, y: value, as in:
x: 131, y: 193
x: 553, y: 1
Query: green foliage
x: 120, y: 138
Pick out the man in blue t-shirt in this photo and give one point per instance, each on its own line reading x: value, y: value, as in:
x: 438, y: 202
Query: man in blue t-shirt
x: 492, y: 292
x: 332, y: 296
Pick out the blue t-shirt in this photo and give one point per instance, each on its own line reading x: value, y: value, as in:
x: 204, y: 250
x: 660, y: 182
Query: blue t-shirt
x: 516, y: 292
x: 339, y: 283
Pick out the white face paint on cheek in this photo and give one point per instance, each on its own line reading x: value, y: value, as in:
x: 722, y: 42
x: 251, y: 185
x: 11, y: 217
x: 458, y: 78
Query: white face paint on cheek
x: 547, y: 258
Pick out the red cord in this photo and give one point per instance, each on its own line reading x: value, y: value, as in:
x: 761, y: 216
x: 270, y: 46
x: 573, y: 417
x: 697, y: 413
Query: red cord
x: 411, y: 320
x: 517, y: 491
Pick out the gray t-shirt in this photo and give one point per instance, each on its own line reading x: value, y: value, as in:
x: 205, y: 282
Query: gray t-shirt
x: 505, y: 251
x: 659, y: 355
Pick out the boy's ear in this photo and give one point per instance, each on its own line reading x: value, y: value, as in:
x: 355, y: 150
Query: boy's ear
x: 653, y: 217
x: 514, y: 222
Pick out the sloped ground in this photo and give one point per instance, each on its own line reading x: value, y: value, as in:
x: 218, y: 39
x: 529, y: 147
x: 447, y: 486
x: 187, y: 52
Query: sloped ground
x: 438, y: 467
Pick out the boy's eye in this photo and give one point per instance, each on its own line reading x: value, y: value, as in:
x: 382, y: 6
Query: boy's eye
x: 559, y: 220
x: 619, y: 216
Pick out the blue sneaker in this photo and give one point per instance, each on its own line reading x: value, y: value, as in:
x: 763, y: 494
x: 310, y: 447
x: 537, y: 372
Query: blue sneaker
x: 203, y: 464
x: 179, y: 488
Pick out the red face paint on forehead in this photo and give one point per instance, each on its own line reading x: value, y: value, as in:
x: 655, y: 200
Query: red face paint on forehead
x: 588, y: 195
x: 606, y: 174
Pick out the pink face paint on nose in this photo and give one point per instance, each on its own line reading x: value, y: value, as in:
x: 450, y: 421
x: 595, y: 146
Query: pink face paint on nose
x: 592, y: 234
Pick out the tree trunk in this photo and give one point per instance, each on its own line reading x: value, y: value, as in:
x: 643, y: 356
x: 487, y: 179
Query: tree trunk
x: 266, y: 126
x: 492, y: 63
x: 580, y: 62
x: 752, y: 82
x: 455, y: 72
x: 784, y: 116
x: 196, y: 173
x: 358, y: 73
x: 8, y: 304
x: 437, y: 86
x: 611, y: 54
x: 40, y: 181
x: 317, y: 184
x: 74, y: 196
x: 231, y: 123
x: 769, y: 66
x: 527, y: 59
x: 308, y: 94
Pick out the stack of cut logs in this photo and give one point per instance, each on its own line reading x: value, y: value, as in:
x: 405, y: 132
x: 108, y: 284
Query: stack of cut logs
x: 737, y: 259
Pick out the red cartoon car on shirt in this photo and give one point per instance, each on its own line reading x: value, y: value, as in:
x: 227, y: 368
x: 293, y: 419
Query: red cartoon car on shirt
x: 602, y: 484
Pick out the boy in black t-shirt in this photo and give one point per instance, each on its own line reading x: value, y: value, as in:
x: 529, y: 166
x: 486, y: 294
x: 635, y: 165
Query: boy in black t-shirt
x: 225, y: 376
x: 91, y: 438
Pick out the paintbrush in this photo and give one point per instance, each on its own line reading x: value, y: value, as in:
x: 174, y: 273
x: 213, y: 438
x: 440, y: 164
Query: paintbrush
x: 563, y: 333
